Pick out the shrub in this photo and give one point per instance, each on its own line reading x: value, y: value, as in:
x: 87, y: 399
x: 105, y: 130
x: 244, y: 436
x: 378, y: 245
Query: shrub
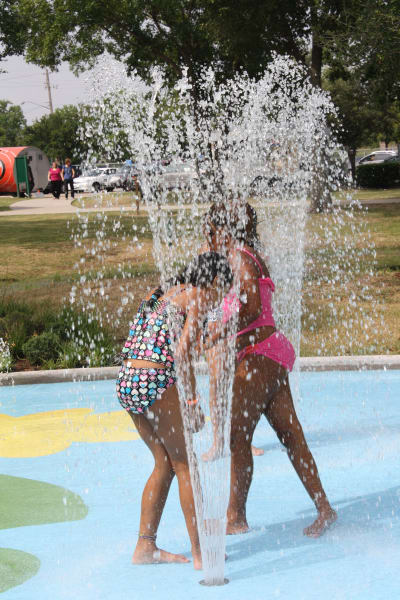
x: 40, y: 348
x: 17, y: 325
x: 379, y: 175
x: 74, y: 354
x: 49, y: 337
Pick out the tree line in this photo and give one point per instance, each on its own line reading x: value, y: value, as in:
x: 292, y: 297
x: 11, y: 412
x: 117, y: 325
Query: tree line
x: 61, y: 134
x: 349, y: 47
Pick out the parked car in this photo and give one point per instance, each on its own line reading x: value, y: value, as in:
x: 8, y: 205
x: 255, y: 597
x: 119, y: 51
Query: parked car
x: 376, y: 157
x: 178, y: 175
x: 117, y: 177
x: 77, y: 169
x: 114, y: 177
x: 129, y: 177
x: 395, y: 158
x: 92, y: 180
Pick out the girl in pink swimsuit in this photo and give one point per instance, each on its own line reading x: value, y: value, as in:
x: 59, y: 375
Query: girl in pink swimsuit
x: 276, y: 346
x: 264, y: 359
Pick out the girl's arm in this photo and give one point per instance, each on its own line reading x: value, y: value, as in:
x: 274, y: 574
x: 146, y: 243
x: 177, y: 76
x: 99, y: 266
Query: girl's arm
x: 195, y: 303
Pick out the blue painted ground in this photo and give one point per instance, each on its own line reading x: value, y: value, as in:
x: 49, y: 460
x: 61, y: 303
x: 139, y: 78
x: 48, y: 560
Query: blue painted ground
x: 352, y: 423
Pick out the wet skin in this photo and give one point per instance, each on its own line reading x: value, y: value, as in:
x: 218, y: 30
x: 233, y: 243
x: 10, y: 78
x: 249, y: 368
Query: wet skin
x: 163, y: 434
x: 261, y: 387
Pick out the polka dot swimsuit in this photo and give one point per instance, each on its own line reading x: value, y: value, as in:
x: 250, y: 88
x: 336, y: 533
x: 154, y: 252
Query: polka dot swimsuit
x: 137, y: 389
x: 148, y: 339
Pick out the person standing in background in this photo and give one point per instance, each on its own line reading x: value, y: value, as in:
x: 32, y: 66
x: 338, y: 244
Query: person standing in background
x: 68, y: 173
x: 55, y: 177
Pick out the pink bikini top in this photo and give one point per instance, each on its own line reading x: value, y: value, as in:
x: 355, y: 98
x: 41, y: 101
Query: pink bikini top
x: 266, y: 287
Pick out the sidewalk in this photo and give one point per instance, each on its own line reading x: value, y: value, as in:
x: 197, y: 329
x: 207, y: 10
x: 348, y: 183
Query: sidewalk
x: 47, y: 205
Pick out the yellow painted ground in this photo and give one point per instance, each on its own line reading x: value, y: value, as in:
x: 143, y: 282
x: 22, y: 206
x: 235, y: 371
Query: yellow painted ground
x: 45, y: 433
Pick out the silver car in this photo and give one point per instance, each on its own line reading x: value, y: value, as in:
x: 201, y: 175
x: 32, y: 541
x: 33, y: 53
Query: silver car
x: 178, y: 175
x: 115, y: 177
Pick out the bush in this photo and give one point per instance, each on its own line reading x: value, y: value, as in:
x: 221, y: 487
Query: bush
x: 17, y: 324
x: 379, y: 175
x: 52, y: 338
x: 77, y: 354
x: 40, y: 348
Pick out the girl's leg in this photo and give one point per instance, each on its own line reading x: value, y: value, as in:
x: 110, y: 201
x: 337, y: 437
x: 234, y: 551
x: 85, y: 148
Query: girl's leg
x: 281, y: 414
x: 168, y: 426
x: 256, y: 382
x: 153, y: 499
x: 250, y: 394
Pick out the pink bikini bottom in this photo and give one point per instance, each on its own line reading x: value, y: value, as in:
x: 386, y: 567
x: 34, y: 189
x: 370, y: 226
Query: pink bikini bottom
x: 276, y: 347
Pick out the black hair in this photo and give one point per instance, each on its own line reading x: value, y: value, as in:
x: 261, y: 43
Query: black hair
x: 202, y: 271
x: 241, y: 229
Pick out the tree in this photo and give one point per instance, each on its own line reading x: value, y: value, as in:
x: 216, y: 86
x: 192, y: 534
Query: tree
x: 12, y: 123
x: 230, y: 35
x: 57, y: 133
x: 358, y: 117
x: 13, y: 31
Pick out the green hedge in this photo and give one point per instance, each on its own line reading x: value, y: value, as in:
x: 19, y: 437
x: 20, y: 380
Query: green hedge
x: 379, y: 175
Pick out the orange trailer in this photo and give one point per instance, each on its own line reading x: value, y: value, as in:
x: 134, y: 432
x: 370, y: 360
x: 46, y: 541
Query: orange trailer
x: 38, y: 162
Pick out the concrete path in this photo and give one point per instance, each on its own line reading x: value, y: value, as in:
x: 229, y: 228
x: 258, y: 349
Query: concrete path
x: 47, y: 205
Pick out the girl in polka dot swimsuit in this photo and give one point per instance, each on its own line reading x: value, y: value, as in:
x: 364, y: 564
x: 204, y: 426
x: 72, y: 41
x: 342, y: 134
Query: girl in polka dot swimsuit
x: 149, y: 340
x: 147, y: 379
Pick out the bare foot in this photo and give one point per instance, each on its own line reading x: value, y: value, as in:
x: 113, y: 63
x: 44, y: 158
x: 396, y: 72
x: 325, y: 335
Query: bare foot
x: 238, y: 527
x: 324, y: 520
x: 256, y: 451
x: 150, y: 554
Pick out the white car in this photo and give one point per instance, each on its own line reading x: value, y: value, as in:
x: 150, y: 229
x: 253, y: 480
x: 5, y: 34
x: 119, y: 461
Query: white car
x: 91, y: 181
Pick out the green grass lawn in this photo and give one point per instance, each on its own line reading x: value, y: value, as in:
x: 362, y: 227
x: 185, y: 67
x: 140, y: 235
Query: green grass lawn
x: 104, y: 200
x: 6, y: 201
x: 40, y: 262
x: 376, y: 194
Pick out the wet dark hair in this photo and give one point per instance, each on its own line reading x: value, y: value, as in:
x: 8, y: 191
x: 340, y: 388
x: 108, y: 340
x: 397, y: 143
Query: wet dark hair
x: 202, y: 271
x: 241, y: 229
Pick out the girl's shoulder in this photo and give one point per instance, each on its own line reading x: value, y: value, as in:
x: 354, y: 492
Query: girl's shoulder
x: 252, y: 262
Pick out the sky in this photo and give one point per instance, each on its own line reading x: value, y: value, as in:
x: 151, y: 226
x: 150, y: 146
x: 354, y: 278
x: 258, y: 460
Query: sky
x: 25, y: 83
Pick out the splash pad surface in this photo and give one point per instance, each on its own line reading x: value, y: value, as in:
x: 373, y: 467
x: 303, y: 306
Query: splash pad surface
x: 73, y: 469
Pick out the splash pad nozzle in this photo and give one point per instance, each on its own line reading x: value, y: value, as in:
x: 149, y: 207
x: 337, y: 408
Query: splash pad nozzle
x: 214, y: 582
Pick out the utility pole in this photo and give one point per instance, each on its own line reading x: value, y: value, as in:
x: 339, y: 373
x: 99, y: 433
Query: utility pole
x: 47, y: 84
